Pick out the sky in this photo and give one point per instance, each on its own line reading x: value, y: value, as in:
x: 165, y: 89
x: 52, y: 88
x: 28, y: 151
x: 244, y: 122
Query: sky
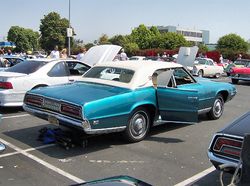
x: 92, y: 18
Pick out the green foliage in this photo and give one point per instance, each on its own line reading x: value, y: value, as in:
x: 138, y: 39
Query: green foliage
x: 202, y: 48
x: 104, y: 39
x: 142, y: 36
x: 53, y: 30
x: 172, y: 41
x: 232, y: 42
x: 131, y: 48
x: 89, y: 45
x: 25, y: 39
x: 118, y: 40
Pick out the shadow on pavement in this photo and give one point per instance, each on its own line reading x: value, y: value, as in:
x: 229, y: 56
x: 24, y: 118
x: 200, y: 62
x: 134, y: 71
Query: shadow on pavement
x: 11, y: 110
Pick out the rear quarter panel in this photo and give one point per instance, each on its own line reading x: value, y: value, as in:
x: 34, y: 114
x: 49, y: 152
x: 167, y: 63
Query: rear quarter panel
x: 114, y: 111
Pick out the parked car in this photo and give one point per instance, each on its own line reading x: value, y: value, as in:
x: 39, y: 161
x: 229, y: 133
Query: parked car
x: 225, y: 146
x: 10, y: 60
x: 206, y: 67
x: 137, y: 58
x: 242, y: 73
x: 238, y: 63
x: 131, y: 103
x: 31, y: 74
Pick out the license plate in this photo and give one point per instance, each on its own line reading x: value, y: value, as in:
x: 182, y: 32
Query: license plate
x: 53, y: 120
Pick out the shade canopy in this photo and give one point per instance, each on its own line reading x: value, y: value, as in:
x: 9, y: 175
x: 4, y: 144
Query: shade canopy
x: 7, y: 44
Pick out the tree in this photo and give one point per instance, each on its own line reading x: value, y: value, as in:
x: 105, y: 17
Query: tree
x: 171, y: 40
x: 25, y: 39
x: 104, y: 39
x: 118, y: 40
x: 232, y: 42
x: 53, y: 30
x: 142, y: 36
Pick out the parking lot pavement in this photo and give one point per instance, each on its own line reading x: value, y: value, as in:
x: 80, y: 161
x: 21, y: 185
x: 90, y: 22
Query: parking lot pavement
x: 171, y: 154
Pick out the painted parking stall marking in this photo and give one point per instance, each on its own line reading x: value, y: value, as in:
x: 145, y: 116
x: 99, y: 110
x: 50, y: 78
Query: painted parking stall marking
x: 42, y: 162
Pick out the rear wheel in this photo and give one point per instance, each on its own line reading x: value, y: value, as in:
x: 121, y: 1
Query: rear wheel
x: 217, y: 109
x: 235, y: 81
x: 138, y: 125
x: 217, y: 75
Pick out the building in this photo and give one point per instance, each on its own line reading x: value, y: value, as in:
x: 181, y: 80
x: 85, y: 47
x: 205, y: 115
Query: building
x: 197, y: 36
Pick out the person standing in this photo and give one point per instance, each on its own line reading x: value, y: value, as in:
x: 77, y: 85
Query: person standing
x: 64, y: 54
x: 123, y: 56
x: 55, y: 53
x: 81, y: 54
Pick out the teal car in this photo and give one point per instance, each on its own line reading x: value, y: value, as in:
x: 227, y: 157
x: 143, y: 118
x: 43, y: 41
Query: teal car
x: 129, y: 97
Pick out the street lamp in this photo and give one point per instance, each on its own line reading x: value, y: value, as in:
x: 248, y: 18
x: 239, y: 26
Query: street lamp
x: 69, y: 32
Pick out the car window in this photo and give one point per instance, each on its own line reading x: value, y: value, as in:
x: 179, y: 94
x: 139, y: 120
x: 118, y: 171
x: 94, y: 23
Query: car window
x: 110, y: 73
x: 210, y: 63
x: 26, y: 67
x: 76, y: 68
x: 202, y: 61
x: 182, y: 77
x: 58, y: 70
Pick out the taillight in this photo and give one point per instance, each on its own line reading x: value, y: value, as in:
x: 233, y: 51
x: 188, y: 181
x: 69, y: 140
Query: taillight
x: 228, y: 146
x: 6, y: 85
x: 33, y: 100
x: 71, y: 110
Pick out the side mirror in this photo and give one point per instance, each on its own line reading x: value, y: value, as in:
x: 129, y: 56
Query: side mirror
x: 2, y: 147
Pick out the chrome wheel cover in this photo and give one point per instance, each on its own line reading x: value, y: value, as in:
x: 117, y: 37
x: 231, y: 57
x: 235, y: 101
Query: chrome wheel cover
x: 139, y: 124
x: 218, y: 107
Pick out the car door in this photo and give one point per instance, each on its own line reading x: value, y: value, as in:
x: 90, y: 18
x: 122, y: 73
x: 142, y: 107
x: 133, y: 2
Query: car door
x: 58, y: 74
x: 175, y: 102
x: 76, y: 70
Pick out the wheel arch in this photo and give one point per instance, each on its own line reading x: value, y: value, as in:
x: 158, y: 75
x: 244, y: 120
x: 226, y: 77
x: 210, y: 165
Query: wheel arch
x: 39, y: 85
x: 151, y: 108
x: 224, y: 94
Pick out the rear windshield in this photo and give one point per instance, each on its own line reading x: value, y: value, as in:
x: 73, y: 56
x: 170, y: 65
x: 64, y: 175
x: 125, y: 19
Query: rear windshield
x: 26, y: 67
x: 110, y: 73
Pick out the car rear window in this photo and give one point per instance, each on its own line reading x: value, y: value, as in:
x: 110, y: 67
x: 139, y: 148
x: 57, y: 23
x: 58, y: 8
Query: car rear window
x: 26, y: 67
x: 111, y: 73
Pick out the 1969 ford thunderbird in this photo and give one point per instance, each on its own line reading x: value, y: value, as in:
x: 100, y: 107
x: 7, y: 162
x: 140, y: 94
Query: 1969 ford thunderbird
x: 129, y: 96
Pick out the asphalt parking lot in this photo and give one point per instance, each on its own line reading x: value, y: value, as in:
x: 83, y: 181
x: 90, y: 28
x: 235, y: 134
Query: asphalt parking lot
x: 172, y: 154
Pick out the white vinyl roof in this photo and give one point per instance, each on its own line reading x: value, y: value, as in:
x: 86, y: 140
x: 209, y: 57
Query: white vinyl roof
x: 142, y: 76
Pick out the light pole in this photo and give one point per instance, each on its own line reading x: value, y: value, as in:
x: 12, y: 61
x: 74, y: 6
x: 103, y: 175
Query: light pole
x: 69, y: 32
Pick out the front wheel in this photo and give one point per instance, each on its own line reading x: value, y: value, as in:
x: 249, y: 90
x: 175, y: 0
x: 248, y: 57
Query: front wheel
x: 200, y: 73
x: 217, y: 109
x: 138, y: 125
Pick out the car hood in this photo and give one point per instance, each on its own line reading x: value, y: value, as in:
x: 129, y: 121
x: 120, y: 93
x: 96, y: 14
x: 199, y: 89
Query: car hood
x: 239, y: 127
x: 101, y: 53
x: 79, y: 92
x: 186, y: 55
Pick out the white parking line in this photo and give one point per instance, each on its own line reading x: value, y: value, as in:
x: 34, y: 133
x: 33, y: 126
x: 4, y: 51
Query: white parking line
x: 27, y: 150
x: 196, y: 177
x: 44, y: 163
x: 17, y: 116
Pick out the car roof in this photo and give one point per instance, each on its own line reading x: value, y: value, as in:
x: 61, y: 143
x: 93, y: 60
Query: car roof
x: 143, y: 72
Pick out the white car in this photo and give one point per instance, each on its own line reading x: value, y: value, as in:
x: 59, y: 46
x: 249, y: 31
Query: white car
x: 205, y: 67
x: 137, y: 58
x: 17, y: 80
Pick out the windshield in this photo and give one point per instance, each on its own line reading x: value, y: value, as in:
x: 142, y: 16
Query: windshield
x: 201, y: 61
x: 26, y: 67
x: 110, y: 73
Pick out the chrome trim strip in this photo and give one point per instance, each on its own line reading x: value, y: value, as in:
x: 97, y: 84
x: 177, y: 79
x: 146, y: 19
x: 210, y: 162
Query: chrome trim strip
x: 105, y: 130
x: 214, y: 158
x: 201, y: 111
x: 241, y: 78
x: 59, y: 116
x: 78, y: 123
